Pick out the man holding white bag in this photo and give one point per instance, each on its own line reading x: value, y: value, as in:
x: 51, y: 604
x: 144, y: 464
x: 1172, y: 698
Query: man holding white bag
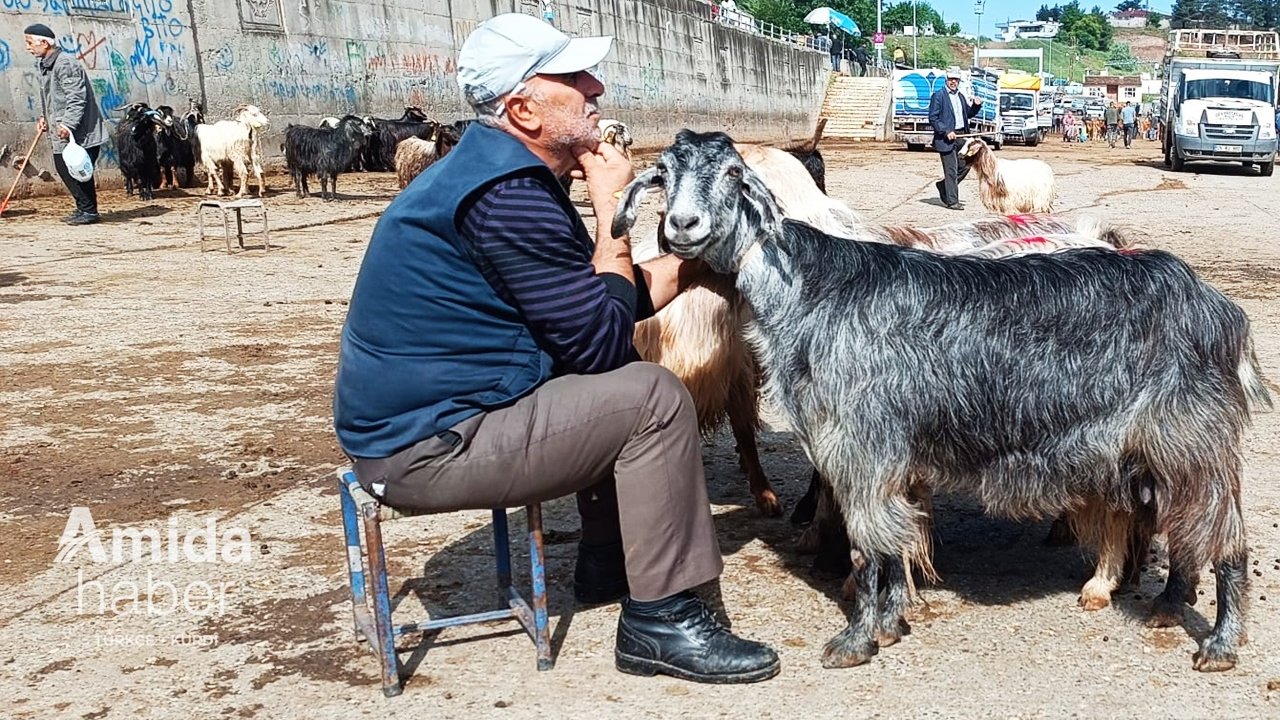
x: 70, y: 113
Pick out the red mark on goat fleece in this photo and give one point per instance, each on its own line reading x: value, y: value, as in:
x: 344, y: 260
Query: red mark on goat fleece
x: 1033, y: 239
x: 1021, y: 219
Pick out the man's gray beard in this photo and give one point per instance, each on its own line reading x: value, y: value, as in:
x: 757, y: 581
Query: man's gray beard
x: 581, y: 131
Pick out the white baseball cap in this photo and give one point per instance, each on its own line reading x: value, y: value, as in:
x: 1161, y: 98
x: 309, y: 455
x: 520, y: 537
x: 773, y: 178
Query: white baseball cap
x: 506, y: 50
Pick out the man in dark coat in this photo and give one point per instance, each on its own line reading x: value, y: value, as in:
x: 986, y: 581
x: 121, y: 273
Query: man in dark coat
x: 949, y: 114
x: 68, y: 108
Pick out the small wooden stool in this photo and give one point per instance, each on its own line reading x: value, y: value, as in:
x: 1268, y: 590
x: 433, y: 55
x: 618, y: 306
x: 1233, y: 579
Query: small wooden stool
x: 236, y: 207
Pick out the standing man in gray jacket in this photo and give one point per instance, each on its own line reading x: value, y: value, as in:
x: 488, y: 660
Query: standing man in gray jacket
x: 69, y: 108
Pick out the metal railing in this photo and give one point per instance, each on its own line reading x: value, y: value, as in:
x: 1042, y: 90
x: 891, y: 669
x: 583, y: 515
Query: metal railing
x: 740, y: 20
x: 735, y: 18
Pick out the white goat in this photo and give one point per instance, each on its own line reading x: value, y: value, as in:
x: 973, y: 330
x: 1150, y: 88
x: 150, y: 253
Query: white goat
x: 1010, y: 186
x: 233, y: 143
x: 413, y: 155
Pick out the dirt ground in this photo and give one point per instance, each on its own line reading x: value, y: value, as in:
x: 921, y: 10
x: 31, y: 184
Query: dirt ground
x: 166, y: 388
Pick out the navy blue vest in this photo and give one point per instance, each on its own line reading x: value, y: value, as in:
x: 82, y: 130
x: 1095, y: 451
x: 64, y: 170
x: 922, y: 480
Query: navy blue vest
x: 428, y: 343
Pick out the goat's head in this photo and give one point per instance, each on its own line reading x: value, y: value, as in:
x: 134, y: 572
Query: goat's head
x: 616, y: 134
x: 133, y: 111
x: 972, y: 146
x: 717, y: 207
x: 250, y: 115
x: 166, y: 115
x: 355, y: 128
x: 413, y: 112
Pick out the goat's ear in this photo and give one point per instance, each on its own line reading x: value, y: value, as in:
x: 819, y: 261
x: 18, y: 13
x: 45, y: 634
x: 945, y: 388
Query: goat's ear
x: 625, y: 216
x: 759, y: 194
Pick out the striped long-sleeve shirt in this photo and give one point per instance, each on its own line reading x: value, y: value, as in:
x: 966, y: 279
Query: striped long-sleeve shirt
x: 538, y: 258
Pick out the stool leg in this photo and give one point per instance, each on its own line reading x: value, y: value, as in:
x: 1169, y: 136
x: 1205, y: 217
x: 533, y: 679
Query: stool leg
x: 537, y: 562
x: 502, y: 555
x: 226, y: 229
x: 200, y: 220
x: 381, y: 602
x: 266, y: 233
x: 239, y: 229
x: 355, y: 562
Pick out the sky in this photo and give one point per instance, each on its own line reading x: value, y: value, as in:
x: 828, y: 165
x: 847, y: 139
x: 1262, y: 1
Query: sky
x: 995, y: 11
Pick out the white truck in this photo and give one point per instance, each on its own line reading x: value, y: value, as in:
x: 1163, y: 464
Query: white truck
x: 1019, y: 96
x: 1218, y: 97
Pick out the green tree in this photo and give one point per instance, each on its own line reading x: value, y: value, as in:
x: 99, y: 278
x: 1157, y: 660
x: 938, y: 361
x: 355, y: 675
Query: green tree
x: 899, y: 16
x: 1129, y: 5
x: 1048, y: 13
x: 1091, y: 32
x: 1154, y: 19
x: 953, y: 29
x: 1121, y: 57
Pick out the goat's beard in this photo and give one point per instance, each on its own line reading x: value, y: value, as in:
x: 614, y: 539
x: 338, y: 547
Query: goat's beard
x: 567, y: 130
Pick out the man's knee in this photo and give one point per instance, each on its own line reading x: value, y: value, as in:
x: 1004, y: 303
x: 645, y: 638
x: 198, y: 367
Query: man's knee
x: 660, y: 390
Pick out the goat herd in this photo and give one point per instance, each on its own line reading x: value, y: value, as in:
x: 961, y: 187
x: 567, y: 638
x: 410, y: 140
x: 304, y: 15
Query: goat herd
x: 1047, y: 368
x: 159, y: 150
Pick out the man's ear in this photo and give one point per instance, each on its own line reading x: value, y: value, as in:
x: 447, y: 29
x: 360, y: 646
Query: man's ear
x: 522, y: 114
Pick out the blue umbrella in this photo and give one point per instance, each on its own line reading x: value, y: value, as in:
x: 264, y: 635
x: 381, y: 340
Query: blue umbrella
x: 835, y: 18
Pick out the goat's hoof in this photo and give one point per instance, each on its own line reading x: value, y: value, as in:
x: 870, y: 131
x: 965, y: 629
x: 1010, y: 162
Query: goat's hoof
x: 1214, y: 655
x: 1091, y: 599
x: 768, y: 503
x: 809, y: 541
x: 844, y: 651
x: 1165, y: 613
x: 890, y: 636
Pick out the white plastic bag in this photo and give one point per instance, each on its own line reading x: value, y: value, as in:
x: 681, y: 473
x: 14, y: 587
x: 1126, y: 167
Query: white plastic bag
x: 79, y: 166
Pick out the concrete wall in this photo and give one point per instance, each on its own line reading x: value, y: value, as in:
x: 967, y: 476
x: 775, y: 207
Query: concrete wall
x: 301, y: 60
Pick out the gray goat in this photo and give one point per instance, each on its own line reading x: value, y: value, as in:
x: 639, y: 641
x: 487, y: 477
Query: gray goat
x: 899, y: 367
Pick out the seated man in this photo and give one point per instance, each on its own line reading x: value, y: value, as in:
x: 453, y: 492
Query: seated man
x: 487, y: 357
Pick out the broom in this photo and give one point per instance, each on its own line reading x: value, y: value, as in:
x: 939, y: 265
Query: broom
x: 5, y: 205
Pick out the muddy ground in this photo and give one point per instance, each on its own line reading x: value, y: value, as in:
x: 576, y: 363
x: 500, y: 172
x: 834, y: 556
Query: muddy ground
x: 163, y: 387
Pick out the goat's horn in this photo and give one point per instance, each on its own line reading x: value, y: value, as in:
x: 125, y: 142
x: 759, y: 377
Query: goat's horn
x: 628, y: 200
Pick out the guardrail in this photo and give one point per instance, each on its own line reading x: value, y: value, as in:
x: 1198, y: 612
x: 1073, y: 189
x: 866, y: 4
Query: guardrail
x: 737, y: 19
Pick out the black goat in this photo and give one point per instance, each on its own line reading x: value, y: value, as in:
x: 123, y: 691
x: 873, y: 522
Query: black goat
x: 175, y: 138
x: 135, y: 140
x: 378, y: 155
x: 327, y: 152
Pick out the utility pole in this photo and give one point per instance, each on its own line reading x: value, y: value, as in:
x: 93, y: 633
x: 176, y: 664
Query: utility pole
x: 915, y: 35
x: 879, y: 30
x: 978, y: 7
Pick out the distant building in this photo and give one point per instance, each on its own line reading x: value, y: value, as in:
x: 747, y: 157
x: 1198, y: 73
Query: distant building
x: 1018, y: 29
x: 1114, y: 87
x: 1134, y: 19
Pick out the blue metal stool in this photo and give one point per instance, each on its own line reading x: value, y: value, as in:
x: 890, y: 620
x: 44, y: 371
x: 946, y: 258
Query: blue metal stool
x: 373, y: 615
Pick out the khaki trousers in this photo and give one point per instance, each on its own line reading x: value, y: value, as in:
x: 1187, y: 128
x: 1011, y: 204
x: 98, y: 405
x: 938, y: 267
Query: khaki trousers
x: 626, y: 441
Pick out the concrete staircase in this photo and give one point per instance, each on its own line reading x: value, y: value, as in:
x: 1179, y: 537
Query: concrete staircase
x: 857, y: 108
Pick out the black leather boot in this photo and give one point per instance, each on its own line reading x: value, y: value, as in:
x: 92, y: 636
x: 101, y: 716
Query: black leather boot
x: 600, y: 575
x: 680, y: 637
